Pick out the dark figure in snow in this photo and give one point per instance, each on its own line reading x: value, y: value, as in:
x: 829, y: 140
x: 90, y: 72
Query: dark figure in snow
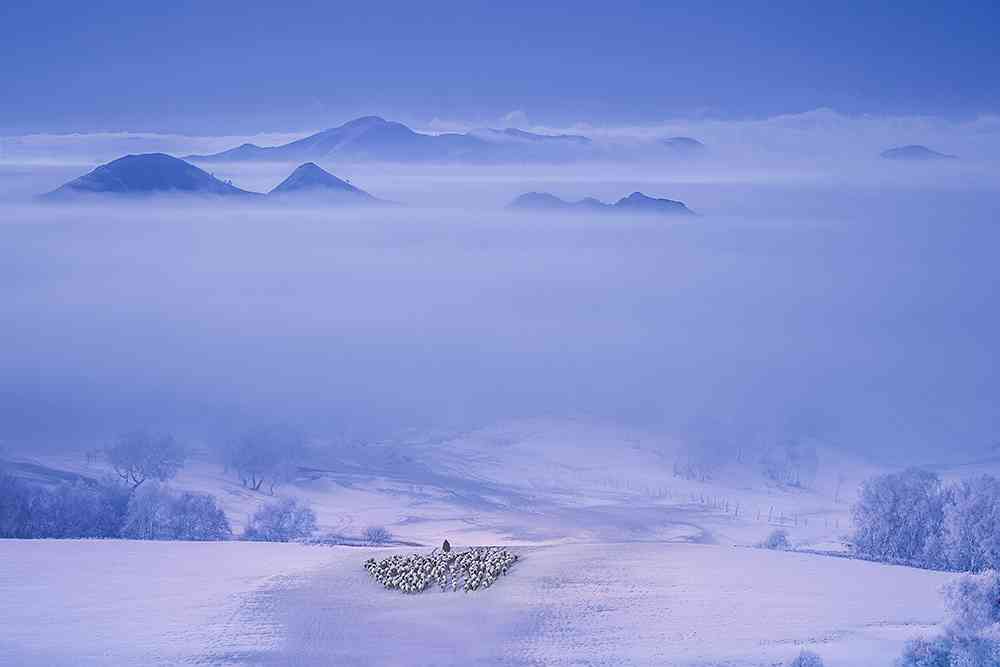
x: 446, y: 547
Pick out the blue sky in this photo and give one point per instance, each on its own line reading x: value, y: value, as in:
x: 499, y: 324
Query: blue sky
x: 210, y: 67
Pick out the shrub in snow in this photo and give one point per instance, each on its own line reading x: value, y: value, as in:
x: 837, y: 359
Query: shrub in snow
x: 926, y: 653
x: 973, y: 600
x: 910, y: 517
x: 280, y: 521
x: 197, y: 516
x: 377, y: 535
x: 950, y: 651
x: 972, y: 635
x: 478, y: 567
x: 70, y: 510
x: 778, y: 539
x: 139, y: 456
x: 806, y: 659
x: 971, y: 535
x: 154, y: 513
x: 15, y: 507
x: 148, y: 514
x: 899, y: 517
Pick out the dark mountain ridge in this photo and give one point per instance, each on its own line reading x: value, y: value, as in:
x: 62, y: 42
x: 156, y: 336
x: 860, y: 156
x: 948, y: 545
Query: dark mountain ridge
x: 635, y: 203
x: 914, y: 152
x: 147, y: 174
x: 312, y: 180
x: 152, y: 174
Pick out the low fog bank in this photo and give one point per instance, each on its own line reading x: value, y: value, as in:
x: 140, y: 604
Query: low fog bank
x: 875, y: 332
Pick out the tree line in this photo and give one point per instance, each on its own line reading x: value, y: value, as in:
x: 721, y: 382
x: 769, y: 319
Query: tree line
x: 913, y: 517
x: 134, y: 502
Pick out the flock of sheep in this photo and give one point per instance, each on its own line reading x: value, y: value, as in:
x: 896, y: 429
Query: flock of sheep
x: 478, y: 567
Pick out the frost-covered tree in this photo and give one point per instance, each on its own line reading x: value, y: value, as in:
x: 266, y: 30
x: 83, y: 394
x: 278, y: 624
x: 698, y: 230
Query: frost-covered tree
x: 148, y: 515
x: 377, y: 535
x: 899, y: 517
x: 197, y: 516
x: 140, y: 456
x: 973, y: 603
x: 280, y: 521
x: 69, y: 510
x: 973, y: 630
x: 806, y: 659
x: 15, y: 507
x: 265, y: 457
x: 84, y: 509
x: 155, y: 513
x: 971, y: 539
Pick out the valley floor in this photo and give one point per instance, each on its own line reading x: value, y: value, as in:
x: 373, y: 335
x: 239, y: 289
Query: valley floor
x: 86, y: 602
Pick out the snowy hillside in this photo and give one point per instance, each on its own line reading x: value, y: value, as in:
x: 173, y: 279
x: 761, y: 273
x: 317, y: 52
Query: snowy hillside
x: 543, y: 481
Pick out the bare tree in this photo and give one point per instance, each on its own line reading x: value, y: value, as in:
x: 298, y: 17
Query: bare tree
x: 139, y: 456
x: 265, y: 455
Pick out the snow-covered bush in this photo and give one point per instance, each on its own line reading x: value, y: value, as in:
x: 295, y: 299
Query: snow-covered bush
x: 69, y: 510
x: 377, y: 535
x: 148, y: 513
x: 899, y: 517
x: 972, y: 635
x: 154, y: 513
x: 16, y: 500
x: 971, y: 540
x: 778, y: 539
x: 910, y: 517
x: 478, y: 567
x: 280, y: 521
x: 197, y: 516
x: 806, y: 659
x: 950, y: 651
x: 87, y: 509
x: 923, y: 652
x: 973, y: 601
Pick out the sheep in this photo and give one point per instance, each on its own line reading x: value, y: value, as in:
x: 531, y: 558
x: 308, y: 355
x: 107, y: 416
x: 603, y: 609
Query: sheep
x: 471, y: 570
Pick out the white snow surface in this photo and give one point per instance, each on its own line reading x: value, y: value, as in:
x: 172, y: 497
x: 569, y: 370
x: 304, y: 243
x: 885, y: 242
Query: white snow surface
x: 143, y: 603
x: 130, y: 602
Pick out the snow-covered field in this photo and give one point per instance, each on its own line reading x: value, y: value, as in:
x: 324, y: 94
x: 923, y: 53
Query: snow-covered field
x: 142, y: 603
x: 125, y: 602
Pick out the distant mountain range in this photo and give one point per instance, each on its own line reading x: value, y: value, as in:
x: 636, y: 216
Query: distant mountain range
x: 160, y: 174
x: 152, y: 174
x: 635, y: 203
x: 376, y: 139
x: 914, y: 152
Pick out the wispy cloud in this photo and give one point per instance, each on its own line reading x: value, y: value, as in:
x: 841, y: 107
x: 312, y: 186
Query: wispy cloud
x: 820, y: 133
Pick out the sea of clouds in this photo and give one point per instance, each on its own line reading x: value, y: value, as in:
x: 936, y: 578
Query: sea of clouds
x: 847, y: 299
